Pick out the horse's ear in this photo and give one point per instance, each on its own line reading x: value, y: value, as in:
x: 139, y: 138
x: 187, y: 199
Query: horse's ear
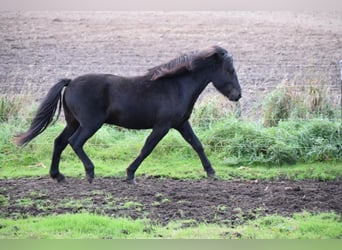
x: 221, y: 55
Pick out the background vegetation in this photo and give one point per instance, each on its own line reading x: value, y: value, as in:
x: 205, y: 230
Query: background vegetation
x: 297, y: 127
x: 298, y: 137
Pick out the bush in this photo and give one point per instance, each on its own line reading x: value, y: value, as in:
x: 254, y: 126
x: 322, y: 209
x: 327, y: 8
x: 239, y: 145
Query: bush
x: 320, y: 140
x: 212, y: 109
x: 204, y: 115
x: 247, y: 143
x: 292, y: 141
x: 278, y: 106
x: 10, y: 107
x: 290, y: 101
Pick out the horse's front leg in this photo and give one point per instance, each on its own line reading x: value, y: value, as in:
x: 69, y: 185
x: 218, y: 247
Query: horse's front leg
x: 189, y: 135
x: 151, y: 142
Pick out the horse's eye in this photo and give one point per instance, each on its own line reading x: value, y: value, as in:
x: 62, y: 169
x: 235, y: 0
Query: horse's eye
x: 231, y: 70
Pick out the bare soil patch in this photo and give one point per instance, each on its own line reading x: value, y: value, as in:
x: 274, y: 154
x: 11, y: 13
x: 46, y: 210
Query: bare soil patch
x: 163, y: 200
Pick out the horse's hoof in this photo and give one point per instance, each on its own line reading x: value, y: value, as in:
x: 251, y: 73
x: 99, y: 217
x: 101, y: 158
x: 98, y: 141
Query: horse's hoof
x: 131, y: 181
x: 62, y: 180
x: 90, y: 179
x: 58, y: 177
x: 212, y: 176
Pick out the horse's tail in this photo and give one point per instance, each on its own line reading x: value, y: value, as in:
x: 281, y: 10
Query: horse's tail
x: 45, y: 113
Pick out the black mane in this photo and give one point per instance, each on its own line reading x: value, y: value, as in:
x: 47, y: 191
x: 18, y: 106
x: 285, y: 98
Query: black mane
x: 186, y: 63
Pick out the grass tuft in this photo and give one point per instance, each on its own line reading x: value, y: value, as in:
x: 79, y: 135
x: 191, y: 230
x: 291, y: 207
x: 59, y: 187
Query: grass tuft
x: 289, y: 101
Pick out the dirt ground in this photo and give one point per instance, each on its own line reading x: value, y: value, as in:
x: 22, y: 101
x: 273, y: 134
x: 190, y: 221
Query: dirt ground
x: 163, y: 200
x: 38, y: 48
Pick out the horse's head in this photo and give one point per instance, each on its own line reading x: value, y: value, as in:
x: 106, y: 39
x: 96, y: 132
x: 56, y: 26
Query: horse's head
x: 224, y: 77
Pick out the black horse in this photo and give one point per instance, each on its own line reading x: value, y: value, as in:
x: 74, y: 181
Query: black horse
x: 161, y: 99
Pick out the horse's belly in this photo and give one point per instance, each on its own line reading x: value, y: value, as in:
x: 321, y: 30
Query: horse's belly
x: 131, y: 120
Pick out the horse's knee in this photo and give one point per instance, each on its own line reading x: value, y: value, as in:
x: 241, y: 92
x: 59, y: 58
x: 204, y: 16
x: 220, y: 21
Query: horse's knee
x: 73, y: 144
x: 197, y: 146
x: 59, y: 144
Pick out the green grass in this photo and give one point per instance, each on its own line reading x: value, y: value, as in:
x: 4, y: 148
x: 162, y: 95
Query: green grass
x: 299, y: 226
x: 289, y: 100
x: 90, y: 226
x: 237, y: 149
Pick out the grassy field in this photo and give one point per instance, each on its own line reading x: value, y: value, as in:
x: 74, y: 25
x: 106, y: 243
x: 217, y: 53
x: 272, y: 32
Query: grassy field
x: 90, y: 226
x: 237, y: 149
x: 293, y: 149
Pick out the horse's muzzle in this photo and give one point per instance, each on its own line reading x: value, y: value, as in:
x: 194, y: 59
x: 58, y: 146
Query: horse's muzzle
x: 234, y: 97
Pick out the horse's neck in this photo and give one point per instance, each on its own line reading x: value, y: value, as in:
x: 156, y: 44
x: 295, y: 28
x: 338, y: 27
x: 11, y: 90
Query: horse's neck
x: 199, y: 81
x: 194, y: 84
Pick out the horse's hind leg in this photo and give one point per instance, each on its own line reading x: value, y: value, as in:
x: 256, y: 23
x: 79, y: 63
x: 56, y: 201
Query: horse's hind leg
x: 59, y: 145
x: 76, y: 141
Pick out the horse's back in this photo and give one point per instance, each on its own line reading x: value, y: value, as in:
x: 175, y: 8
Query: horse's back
x: 87, y: 96
x: 109, y: 99
x: 134, y: 103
